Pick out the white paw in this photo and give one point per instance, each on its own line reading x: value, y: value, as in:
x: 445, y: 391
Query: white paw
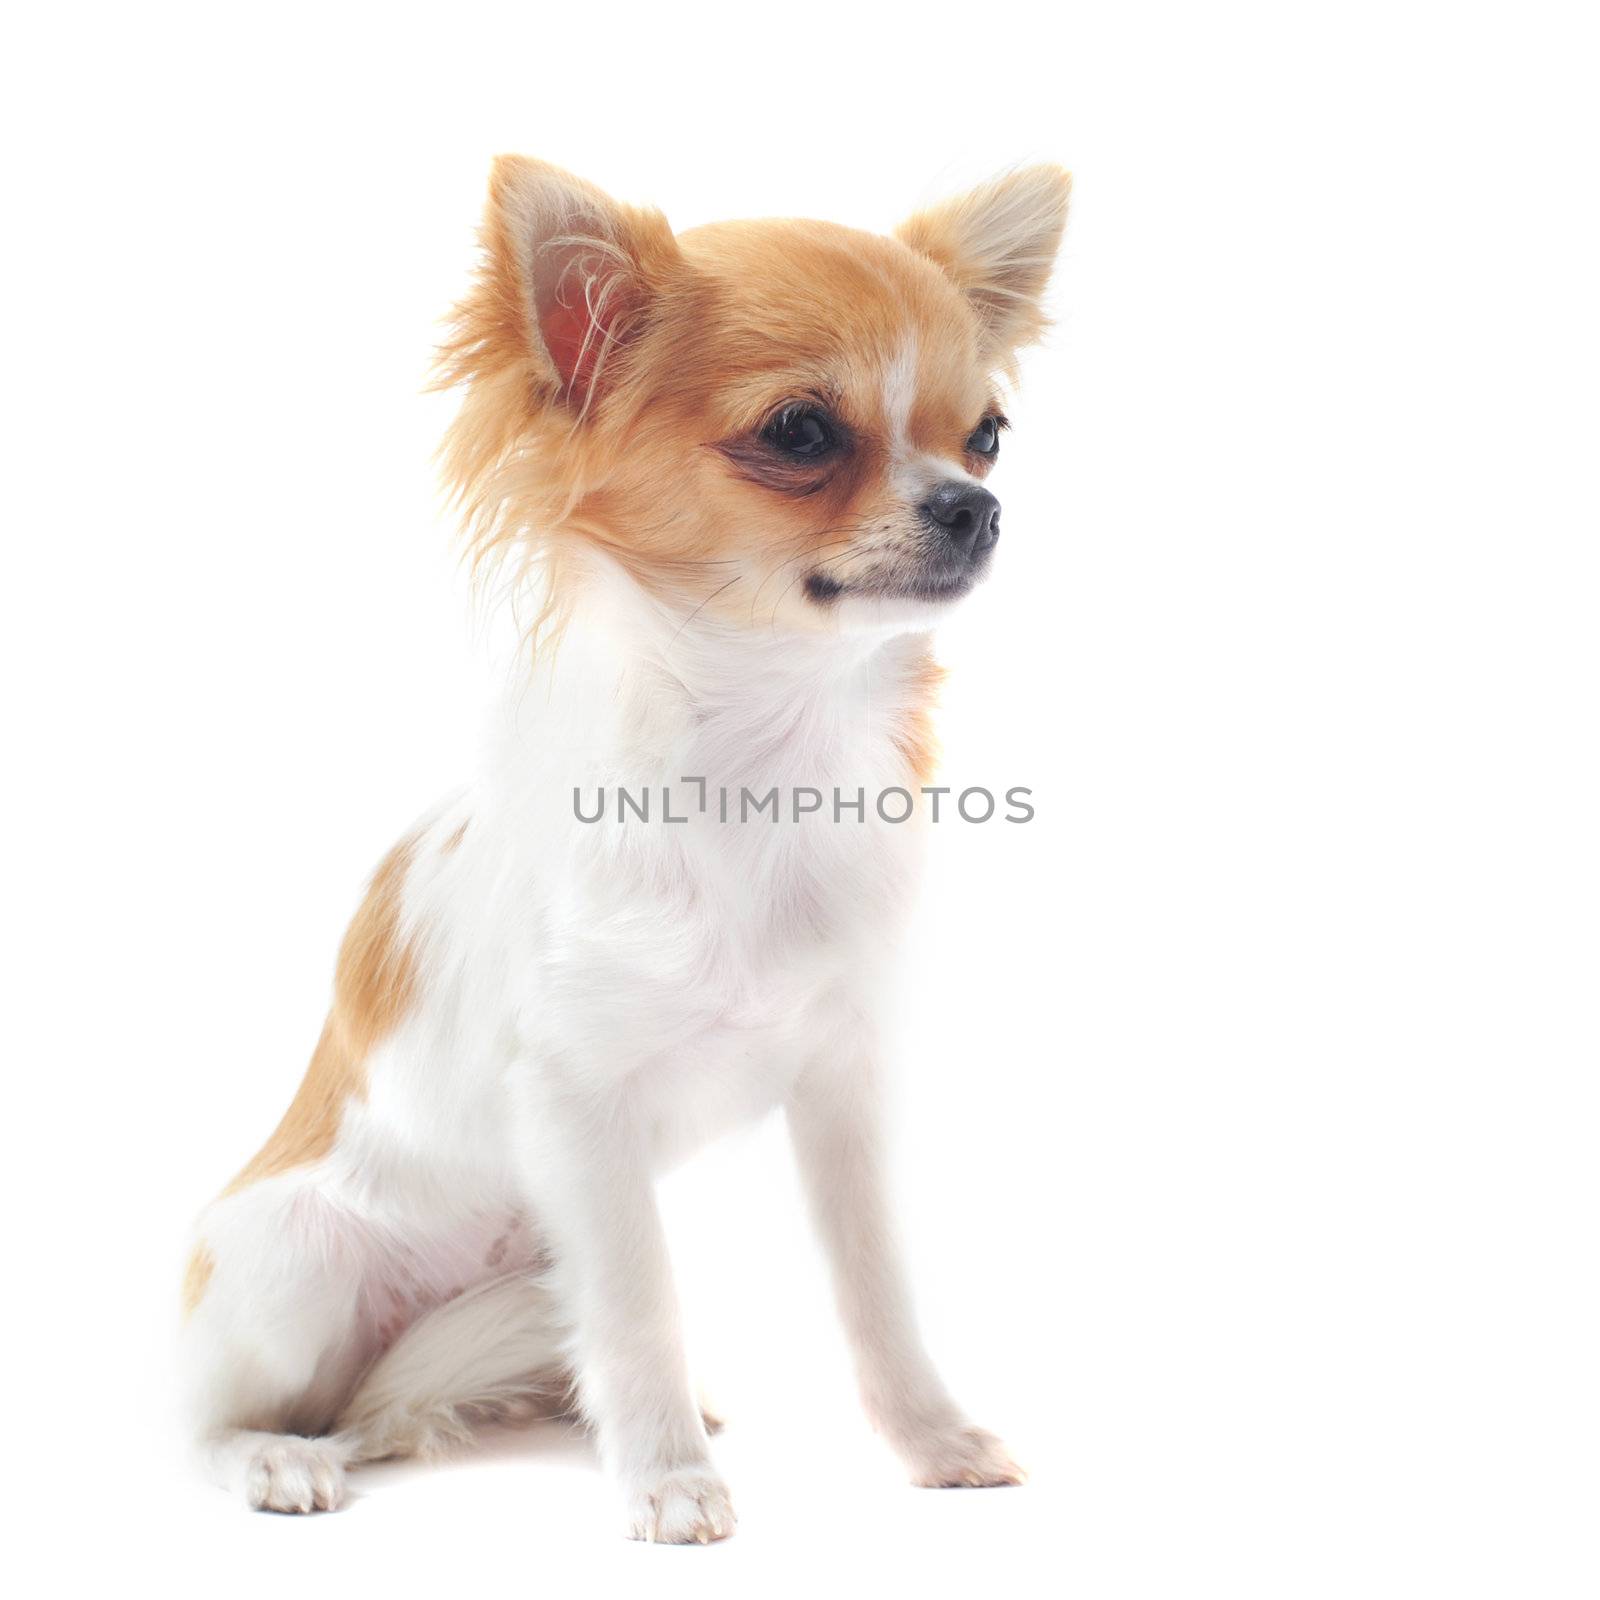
x: 689, y: 1506
x: 962, y: 1457
x: 293, y: 1474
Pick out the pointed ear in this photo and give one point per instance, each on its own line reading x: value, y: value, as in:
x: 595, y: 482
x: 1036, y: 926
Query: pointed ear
x: 998, y: 243
x: 572, y: 272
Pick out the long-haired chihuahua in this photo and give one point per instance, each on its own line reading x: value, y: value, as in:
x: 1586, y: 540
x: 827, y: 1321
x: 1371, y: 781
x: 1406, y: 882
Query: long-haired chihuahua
x: 745, y: 469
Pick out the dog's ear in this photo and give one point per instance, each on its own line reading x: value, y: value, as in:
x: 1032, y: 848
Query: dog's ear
x: 998, y: 242
x: 569, y: 277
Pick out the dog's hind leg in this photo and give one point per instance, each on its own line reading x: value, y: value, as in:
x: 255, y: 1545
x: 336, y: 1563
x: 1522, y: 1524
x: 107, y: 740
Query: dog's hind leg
x: 273, y: 1341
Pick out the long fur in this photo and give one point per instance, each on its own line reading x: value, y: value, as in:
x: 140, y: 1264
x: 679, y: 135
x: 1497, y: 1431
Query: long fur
x: 493, y: 1353
x: 534, y: 1013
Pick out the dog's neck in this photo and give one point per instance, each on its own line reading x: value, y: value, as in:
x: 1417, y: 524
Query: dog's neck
x: 664, y: 686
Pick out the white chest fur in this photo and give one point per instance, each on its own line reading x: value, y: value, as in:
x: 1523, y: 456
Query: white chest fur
x: 703, y: 949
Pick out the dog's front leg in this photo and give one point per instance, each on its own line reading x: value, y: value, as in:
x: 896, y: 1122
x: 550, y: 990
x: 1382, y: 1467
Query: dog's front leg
x: 836, y: 1125
x: 590, y: 1183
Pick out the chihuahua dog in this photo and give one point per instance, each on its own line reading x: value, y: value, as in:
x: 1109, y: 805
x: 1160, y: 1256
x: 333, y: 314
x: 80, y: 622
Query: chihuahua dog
x: 745, y: 470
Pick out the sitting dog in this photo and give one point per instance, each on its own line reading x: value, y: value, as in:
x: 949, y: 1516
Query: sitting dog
x: 745, y: 470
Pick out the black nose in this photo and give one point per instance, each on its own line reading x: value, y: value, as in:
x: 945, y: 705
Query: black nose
x: 967, y: 513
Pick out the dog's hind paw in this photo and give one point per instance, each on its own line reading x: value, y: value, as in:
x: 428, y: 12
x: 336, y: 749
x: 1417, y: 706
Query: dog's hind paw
x: 287, y: 1473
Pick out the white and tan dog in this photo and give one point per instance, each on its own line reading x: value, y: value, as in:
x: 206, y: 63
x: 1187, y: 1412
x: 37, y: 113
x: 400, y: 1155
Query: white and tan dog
x: 745, y: 467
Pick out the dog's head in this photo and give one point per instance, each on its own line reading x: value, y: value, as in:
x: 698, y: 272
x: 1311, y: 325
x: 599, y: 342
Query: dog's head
x: 788, y: 423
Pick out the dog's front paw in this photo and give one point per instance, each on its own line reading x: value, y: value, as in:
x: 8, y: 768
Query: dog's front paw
x: 686, y: 1506
x: 961, y: 1457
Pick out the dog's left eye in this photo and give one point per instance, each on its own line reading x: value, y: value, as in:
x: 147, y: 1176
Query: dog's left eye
x: 801, y: 431
x: 985, y: 440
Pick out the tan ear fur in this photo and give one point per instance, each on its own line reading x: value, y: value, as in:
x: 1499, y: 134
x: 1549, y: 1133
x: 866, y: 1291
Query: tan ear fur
x: 998, y: 243
x: 567, y: 274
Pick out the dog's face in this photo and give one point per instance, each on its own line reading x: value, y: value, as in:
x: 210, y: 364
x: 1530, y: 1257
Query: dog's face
x: 787, y: 424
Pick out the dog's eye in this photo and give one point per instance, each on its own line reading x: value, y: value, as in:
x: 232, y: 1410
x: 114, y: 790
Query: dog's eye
x: 801, y: 431
x: 985, y: 440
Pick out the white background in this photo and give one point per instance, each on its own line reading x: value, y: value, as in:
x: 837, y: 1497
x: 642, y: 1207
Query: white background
x: 1249, y: 1096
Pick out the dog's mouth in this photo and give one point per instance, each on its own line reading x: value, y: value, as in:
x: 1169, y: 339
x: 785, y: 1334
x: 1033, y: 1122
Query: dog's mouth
x: 932, y: 583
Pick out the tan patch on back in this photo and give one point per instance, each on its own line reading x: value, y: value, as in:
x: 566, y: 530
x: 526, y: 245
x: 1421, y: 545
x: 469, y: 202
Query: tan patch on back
x: 372, y: 990
x: 915, y: 738
x: 195, y: 1278
x: 448, y: 847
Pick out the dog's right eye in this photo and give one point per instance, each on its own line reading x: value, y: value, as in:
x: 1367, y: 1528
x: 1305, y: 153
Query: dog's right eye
x: 801, y: 431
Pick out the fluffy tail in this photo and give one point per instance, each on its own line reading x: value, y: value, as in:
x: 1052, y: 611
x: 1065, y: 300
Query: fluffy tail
x: 491, y: 1353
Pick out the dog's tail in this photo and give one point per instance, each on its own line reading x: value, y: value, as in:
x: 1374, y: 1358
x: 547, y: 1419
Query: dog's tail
x: 494, y: 1353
